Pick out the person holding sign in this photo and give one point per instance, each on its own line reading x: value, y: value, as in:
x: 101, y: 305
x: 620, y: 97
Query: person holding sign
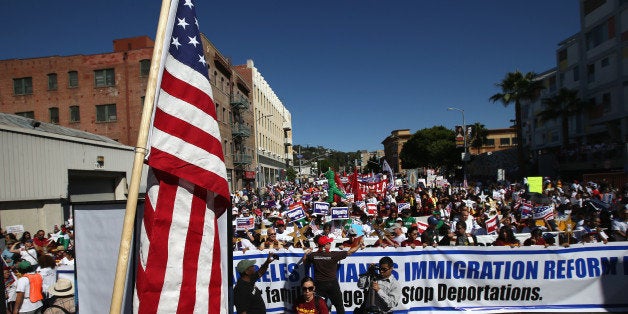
x: 326, y: 267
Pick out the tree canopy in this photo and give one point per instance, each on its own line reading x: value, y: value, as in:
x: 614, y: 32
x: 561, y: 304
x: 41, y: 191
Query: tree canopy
x: 431, y: 147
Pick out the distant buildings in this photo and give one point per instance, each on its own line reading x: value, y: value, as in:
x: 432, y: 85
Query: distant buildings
x: 591, y: 62
x: 104, y: 94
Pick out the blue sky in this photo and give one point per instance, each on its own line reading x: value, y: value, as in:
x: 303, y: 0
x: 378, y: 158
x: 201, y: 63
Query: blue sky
x: 349, y: 71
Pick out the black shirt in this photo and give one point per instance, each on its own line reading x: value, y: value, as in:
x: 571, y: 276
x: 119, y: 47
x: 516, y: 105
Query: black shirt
x: 247, y: 297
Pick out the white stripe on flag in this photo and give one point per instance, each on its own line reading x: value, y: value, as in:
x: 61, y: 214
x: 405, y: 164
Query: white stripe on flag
x: 189, y: 153
x: 176, y: 247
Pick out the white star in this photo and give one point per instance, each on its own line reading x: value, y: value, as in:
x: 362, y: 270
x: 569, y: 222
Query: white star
x: 483, y: 197
x: 175, y: 42
x: 193, y: 41
x: 188, y: 3
x: 182, y: 22
x: 201, y: 59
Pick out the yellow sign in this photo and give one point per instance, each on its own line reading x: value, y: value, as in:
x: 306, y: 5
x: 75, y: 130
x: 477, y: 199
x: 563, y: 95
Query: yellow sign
x: 535, y: 184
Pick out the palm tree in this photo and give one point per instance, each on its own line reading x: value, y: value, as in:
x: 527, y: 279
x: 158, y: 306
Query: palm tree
x: 563, y: 105
x: 479, y: 136
x: 518, y: 88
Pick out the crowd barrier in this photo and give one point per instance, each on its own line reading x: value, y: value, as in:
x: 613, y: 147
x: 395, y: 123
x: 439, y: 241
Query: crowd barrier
x: 583, y: 277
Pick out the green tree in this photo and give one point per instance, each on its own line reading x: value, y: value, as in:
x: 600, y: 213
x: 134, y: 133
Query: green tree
x: 563, y: 105
x: 372, y: 165
x: 434, y: 147
x: 518, y: 88
x: 291, y: 174
x: 478, y: 138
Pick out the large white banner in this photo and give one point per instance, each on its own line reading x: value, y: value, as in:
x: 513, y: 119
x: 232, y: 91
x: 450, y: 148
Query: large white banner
x: 592, y: 277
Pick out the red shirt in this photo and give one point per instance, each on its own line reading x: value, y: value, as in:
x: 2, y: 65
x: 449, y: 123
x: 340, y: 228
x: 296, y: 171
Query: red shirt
x: 303, y: 307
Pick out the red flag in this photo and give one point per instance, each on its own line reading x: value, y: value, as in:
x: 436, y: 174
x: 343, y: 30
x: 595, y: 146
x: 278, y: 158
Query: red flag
x: 182, y: 265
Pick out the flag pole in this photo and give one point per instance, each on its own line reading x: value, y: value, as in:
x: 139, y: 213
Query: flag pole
x: 138, y: 162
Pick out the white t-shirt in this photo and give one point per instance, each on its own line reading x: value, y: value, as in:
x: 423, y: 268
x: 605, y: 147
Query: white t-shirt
x: 23, y: 285
x: 66, y: 261
x: 49, y: 277
x: 29, y: 255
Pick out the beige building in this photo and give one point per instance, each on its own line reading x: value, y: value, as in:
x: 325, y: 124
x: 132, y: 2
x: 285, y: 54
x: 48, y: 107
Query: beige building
x: 273, y: 127
x: 392, y: 147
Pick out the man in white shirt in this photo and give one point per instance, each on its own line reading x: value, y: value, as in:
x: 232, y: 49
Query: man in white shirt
x: 23, y: 300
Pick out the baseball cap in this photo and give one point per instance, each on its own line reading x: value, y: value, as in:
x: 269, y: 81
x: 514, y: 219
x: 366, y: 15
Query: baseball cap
x: 243, y: 265
x: 24, y: 265
x: 323, y: 240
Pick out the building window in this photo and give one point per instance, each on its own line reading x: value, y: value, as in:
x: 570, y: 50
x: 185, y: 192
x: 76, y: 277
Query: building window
x: 504, y: 141
x: 605, y: 62
x: 73, y: 79
x: 54, y: 115
x: 105, y: 77
x: 597, y: 36
x: 590, y: 72
x: 52, y: 81
x: 75, y: 115
x: 606, y: 102
x: 23, y: 86
x: 144, y: 67
x: 26, y: 114
x: 576, y: 73
x: 106, y: 113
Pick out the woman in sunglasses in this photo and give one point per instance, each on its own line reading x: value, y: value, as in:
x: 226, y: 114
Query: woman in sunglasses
x: 309, y: 302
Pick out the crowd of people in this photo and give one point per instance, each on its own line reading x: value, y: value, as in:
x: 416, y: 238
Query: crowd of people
x: 575, y: 212
x: 32, y: 284
x: 565, y: 213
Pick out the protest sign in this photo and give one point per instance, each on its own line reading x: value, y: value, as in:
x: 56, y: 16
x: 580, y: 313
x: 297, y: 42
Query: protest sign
x: 338, y: 213
x: 245, y: 223
x: 493, y: 279
x: 320, y: 209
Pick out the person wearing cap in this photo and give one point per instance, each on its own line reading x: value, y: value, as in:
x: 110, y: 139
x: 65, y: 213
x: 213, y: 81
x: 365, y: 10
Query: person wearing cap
x: 397, y: 235
x: 28, y: 293
x: 247, y: 297
x: 325, y: 264
x: 282, y: 234
x: 432, y: 235
x: 62, y: 293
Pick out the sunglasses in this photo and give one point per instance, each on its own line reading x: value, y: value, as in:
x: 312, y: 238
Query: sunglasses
x: 271, y: 234
x: 310, y: 288
x: 384, y: 269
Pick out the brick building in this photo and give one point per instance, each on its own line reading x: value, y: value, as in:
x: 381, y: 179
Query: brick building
x: 104, y: 94
x: 101, y: 93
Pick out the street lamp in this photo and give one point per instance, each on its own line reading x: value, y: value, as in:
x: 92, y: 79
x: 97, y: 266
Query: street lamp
x: 464, y: 155
x: 257, y: 148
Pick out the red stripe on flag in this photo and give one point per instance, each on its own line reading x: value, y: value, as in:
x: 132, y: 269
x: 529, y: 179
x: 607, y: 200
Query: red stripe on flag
x: 188, y: 133
x: 215, y: 281
x: 157, y: 258
x: 192, y: 251
x: 188, y: 93
x: 199, y: 176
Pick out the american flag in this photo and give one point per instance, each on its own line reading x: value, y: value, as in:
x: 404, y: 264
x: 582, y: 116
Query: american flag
x: 182, y: 265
